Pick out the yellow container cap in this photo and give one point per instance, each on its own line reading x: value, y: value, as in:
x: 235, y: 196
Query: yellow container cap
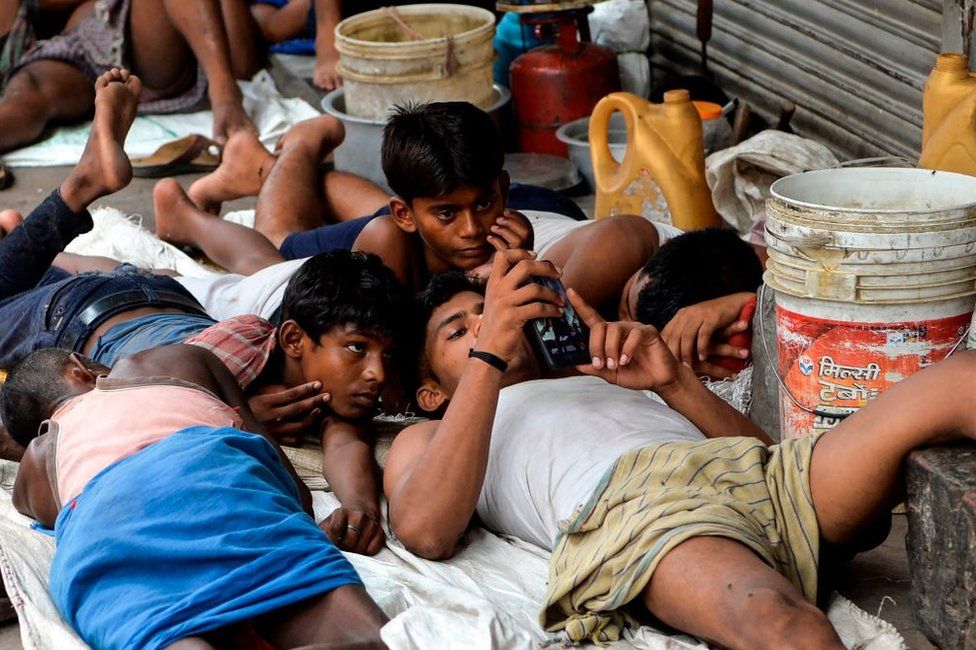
x: 708, y: 110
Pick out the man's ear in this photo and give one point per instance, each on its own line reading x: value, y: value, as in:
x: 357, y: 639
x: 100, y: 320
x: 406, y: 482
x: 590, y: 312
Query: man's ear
x: 504, y: 185
x: 430, y: 396
x: 402, y: 214
x: 78, y: 372
x: 290, y: 337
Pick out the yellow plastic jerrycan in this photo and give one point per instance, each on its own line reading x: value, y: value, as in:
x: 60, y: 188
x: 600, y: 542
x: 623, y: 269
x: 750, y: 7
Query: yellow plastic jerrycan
x: 949, y: 104
x: 664, y: 148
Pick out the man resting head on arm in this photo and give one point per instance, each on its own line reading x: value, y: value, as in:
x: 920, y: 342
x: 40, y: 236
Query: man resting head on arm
x: 171, y: 522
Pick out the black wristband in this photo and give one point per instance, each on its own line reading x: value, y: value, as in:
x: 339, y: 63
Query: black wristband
x: 489, y: 358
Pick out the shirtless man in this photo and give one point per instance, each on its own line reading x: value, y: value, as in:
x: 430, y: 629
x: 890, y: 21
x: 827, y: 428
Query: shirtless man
x: 710, y: 536
x: 126, y: 459
x: 179, y: 49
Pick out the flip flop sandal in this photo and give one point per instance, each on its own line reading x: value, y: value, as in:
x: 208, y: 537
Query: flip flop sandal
x: 194, y: 153
x: 6, y: 177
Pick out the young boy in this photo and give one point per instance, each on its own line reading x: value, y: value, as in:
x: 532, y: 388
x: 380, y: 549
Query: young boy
x: 173, y: 526
x: 444, y: 161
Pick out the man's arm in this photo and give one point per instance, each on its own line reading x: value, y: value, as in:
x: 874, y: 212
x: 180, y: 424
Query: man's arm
x: 33, y: 496
x: 436, y: 469
x: 350, y: 468
x: 635, y: 356
x: 598, y: 259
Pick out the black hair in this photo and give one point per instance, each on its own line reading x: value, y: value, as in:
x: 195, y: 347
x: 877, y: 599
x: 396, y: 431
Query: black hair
x: 438, y: 291
x: 33, y: 390
x: 696, y: 266
x: 345, y: 288
x: 430, y: 150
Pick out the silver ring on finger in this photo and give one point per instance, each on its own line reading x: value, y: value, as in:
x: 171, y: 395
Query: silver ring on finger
x: 351, y: 527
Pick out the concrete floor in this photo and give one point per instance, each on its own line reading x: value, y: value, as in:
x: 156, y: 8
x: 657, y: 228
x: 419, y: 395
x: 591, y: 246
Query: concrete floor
x: 877, y: 581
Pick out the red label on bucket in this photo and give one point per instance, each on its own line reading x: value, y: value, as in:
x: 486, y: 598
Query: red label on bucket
x: 835, y: 367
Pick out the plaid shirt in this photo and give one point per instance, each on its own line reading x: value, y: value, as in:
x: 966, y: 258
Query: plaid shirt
x: 244, y: 344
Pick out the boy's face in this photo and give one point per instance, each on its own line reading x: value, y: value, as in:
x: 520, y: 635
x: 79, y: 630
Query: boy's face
x: 352, y: 363
x: 451, y: 332
x: 455, y: 227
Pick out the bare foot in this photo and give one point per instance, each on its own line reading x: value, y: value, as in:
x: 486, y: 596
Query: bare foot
x: 322, y: 134
x: 9, y: 219
x: 175, y: 213
x: 104, y: 168
x: 244, y: 167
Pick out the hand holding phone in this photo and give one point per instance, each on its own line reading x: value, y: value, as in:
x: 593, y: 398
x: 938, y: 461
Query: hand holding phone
x: 561, y: 341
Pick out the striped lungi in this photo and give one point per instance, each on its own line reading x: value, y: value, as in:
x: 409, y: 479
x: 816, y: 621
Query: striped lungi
x: 654, y: 498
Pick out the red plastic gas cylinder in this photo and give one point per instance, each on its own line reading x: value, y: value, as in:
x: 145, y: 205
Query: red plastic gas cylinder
x: 559, y: 83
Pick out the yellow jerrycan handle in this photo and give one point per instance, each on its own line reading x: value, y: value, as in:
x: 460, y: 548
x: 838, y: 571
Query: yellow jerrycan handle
x: 665, y: 140
x: 606, y: 170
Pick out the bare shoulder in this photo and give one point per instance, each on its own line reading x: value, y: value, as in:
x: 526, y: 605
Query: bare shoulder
x: 408, y: 445
x: 379, y: 234
x: 396, y: 247
x: 32, y: 494
x: 186, y: 362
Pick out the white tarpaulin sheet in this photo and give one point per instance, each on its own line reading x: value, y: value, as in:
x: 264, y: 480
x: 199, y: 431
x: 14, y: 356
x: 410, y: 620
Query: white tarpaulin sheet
x: 487, y: 596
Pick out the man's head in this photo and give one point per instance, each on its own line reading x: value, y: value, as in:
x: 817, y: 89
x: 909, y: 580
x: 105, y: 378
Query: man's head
x: 444, y: 163
x: 38, y: 384
x: 449, y: 320
x: 343, y: 316
x: 691, y: 268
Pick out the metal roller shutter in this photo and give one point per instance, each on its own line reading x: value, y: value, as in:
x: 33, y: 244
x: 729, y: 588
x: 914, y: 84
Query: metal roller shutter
x: 854, y: 68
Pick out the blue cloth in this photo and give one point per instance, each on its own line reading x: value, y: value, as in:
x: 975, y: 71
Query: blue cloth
x: 145, y: 333
x: 37, y: 301
x: 342, y: 236
x: 201, y: 530
x: 339, y: 236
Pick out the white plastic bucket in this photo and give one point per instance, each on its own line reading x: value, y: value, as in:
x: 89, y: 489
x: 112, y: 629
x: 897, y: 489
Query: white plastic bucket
x: 443, y: 54
x: 875, y: 277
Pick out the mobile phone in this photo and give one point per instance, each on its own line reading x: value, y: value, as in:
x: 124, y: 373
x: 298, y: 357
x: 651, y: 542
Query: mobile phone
x: 564, y: 341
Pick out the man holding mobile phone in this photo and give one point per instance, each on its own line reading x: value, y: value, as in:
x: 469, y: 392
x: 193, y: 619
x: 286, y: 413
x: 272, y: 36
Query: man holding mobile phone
x: 675, y: 504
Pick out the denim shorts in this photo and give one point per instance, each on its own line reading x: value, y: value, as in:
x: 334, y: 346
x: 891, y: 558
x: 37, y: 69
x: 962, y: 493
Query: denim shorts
x: 145, y: 333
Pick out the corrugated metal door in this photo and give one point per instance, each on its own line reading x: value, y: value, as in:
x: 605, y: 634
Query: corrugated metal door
x: 854, y: 68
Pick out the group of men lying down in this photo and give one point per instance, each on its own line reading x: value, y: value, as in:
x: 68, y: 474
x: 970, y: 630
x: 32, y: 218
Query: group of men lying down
x: 149, y: 432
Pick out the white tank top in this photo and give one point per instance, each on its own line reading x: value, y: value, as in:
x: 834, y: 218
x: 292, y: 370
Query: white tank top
x: 554, y: 439
x: 227, y: 296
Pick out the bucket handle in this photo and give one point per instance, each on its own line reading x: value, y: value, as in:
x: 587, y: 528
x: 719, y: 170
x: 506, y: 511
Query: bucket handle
x: 877, y: 161
x: 761, y: 316
x: 800, y: 242
x: 812, y: 240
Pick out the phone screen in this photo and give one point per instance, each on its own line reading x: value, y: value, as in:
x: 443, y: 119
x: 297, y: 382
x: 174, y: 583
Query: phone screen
x: 563, y: 342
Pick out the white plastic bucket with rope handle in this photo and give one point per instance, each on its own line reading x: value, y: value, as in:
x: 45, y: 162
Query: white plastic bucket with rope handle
x: 874, y: 271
